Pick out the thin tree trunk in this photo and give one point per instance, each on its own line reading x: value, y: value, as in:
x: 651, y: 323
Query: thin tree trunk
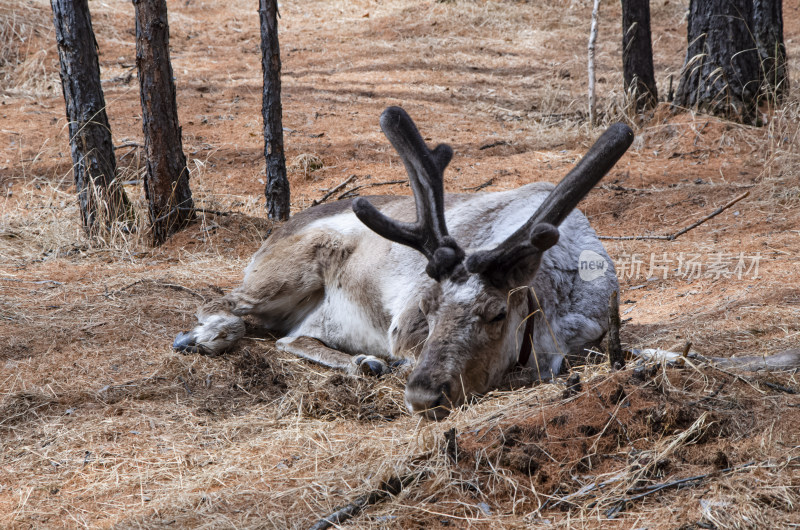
x: 277, y: 188
x: 736, y: 58
x: 616, y: 357
x: 637, y: 54
x: 166, y: 182
x: 591, y: 67
x: 101, y: 197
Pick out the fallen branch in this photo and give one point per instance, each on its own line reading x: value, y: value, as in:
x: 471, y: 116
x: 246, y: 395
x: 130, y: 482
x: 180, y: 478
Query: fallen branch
x: 712, y: 364
x: 393, y: 486
x: 617, y: 187
x: 124, y: 155
x: 709, y: 216
x: 780, y: 388
x: 131, y: 383
x: 620, y: 504
x: 493, y: 144
x: 159, y: 219
x: 334, y: 190
x: 128, y: 144
x: 353, y: 192
x: 172, y: 286
x: 590, y: 490
x: 480, y: 186
x: 674, y: 236
x: 203, y: 211
x: 37, y: 282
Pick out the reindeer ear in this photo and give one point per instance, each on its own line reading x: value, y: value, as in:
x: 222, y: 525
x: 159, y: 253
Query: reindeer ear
x: 544, y: 236
x: 518, y: 264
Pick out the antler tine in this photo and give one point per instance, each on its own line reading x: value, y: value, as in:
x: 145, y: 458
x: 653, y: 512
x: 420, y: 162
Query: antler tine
x: 425, y: 168
x: 539, y: 232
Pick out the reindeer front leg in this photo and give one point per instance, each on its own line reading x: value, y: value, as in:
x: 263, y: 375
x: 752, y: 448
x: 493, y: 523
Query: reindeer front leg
x: 281, y: 285
x: 315, y: 351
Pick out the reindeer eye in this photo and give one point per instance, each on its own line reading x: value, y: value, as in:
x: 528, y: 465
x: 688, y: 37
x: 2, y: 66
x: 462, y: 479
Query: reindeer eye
x: 499, y: 318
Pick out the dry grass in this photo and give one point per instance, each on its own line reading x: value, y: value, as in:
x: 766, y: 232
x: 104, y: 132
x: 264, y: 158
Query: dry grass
x: 305, y: 164
x: 24, y: 68
x: 102, y: 425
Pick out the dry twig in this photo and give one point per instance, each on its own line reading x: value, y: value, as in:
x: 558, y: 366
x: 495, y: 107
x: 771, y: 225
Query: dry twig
x: 493, y: 144
x: 203, y: 211
x: 334, y: 190
x: 672, y: 237
x: 684, y: 482
x: 393, y: 486
x: 480, y: 186
x: 172, y: 286
x: 354, y: 192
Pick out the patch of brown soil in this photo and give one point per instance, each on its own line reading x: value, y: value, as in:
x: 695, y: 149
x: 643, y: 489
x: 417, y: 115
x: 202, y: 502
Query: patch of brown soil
x: 593, y: 450
x: 589, y: 432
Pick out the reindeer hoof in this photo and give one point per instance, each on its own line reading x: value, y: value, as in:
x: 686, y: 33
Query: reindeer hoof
x: 369, y: 365
x: 184, y: 343
x: 399, y: 363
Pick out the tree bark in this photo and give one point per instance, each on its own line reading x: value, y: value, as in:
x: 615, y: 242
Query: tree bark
x: 637, y: 54
x: 101, y: 197
x: 768, y: 31
x: 166, y: 183
x: 736, y: 58
x: 277, y: 188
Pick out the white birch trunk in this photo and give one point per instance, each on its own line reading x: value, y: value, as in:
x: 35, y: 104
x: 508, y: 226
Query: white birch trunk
x: 592, y: 40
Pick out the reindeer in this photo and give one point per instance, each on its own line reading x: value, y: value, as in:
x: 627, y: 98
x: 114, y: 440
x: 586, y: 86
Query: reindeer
x: 474, y: 286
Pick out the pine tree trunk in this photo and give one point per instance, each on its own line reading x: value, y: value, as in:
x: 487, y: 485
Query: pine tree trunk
x: 768, y: 32
x: 736, y: 57
x: 101, y: 197
x: 166, y: 182
x: 277, y: 188
x: 637, y: 54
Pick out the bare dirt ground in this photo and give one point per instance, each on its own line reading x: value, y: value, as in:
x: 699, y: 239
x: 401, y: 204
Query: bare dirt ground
x: 102, y: 425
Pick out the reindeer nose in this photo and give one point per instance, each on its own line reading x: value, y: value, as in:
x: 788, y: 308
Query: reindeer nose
x: 431, y: 401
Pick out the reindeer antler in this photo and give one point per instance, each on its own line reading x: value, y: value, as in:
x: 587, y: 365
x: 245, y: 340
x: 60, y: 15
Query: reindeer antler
x: 428, y: 234
x: 540, y: 233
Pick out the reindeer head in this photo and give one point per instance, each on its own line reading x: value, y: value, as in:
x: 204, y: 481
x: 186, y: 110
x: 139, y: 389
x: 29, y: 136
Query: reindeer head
x: 474, y: 311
